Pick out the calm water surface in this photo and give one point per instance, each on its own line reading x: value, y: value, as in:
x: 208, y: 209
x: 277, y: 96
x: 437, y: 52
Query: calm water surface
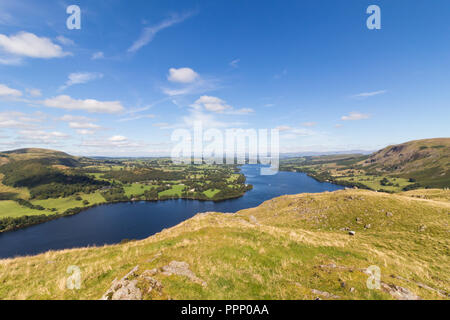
x: 111, y: 223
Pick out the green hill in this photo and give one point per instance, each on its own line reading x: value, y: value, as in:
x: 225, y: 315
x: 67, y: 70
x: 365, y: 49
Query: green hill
x: 291, y: 247
x: 407, y: 166
x: 43, y: 156
x: 426, y: 161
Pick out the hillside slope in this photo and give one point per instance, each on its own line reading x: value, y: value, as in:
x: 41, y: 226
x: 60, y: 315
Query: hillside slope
x: 43, y: 156
x: 291, y: 247
x: 427, y: 161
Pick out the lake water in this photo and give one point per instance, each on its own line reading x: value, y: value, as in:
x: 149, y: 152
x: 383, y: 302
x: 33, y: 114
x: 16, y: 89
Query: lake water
x: 111, y: 223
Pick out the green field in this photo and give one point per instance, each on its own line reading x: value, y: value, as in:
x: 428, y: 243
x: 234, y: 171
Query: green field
x: 63, y: 204
x: 373, y: 182
x: 9, y: 208
x: 211, y: 192
x: 137, y: 189
x: 176, y: 190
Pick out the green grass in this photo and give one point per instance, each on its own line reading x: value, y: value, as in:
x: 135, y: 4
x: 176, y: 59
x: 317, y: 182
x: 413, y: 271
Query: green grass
x: 175, y: 190
x: 373, y: 182
x: 63, y: 204
x: 211, y: 192
x: 279, y: 250
x: 136, y: 189
x: 9, y: 208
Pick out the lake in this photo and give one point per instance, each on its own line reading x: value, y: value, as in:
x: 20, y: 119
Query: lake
x: 111, y: 223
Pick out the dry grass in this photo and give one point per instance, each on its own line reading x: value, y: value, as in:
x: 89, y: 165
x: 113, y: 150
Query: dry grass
x: 278, y: 250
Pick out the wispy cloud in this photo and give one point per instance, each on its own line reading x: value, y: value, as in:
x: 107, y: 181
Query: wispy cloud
x: 354, y: 116
x: 65, y: 41
x: 217, y: 105
x: 138, y: 117
x: 368, y: 94
x: 6, y: 91
x: 98, y: 55
x: 149, y: 33
x: 80, y: 78
x: 235, y: 63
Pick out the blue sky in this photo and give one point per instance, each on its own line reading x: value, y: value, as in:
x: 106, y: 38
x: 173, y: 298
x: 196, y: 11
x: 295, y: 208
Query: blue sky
x: 137, y: 70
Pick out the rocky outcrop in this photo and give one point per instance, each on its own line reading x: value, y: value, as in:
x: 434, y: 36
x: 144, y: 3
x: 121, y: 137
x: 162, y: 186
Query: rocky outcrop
x: 125, y: 288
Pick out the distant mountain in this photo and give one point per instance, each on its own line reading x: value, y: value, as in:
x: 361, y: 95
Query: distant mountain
x: 313, y: 153
x: 427, y: 161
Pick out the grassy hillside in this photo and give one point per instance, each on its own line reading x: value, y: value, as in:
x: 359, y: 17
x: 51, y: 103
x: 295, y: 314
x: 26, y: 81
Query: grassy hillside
x: 291, y: 247
x: 44, y: 156
x: 411, y: 165
x: 426, y: 161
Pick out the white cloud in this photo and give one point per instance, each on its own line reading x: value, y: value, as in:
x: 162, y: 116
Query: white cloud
x: 353, y: 116
x: 6, y: 91
x: 369, y: 94
x: 80, y: 78
x: 283, y: 128
x: 98, y: 55
x: 293, y: 133
x: 69, y: 118
x: 309, y: 124
x: 83, y: 125
x: 235, y: 63
x: 182, y: 75
x: 85, y: 132
x: 65, y: 41
x: 138, y: 117
x: 118, y: 139
x: 212, y: 104
x: 217, y: 105
x: 161, y: 125
x: 240, y: 111
x: 14, y: 119
x: 34, y: 92
x: 40, y: 137
x: 25, y: 44
x: 150, y: 32
x: 89, y: 105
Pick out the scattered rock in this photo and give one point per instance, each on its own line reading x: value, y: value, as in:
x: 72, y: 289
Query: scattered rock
x: 324, y: 294
x: 182, y: 269
x: 154, y: 285
x: 389, y: 214
x: 149, y: 273
x: 399, y: 293
x: 352, y: 233
x: 124, y: 289
x: 422, y: 228
x: 352, y: 289
x: 358, y: 219
x: 368, y: 226
x: 441, y: 293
